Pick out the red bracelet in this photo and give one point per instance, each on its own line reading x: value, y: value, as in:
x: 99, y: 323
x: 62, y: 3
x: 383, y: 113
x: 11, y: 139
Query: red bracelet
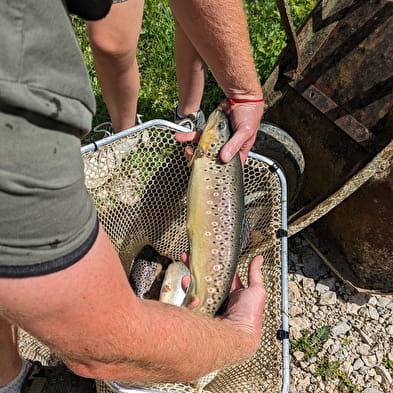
x: 233, y: 101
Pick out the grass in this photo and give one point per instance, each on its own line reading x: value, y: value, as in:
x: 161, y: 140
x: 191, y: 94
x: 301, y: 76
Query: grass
x: 389, y: 365
x: 330, y: 370
x: 311, y: 342
x: 158, y: 93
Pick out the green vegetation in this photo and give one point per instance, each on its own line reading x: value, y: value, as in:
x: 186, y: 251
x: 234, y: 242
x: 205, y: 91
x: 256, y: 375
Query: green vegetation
x: 345, y: 342
x: 329, y: 370
x: 311, y: 343
x: 158, y: 94
x: 389, y: 365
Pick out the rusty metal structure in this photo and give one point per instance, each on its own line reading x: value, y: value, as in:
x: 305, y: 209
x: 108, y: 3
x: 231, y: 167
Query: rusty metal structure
x: 331, y: 90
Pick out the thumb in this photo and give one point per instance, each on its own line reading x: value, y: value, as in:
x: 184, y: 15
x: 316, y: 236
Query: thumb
x: 255, y: 278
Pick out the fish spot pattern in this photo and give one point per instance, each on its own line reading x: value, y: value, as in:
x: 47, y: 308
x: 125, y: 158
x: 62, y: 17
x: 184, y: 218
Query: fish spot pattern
x: 221, y: 192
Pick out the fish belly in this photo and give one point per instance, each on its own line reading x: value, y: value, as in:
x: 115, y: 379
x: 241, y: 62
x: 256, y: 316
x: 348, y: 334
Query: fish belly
x: 214, y: 222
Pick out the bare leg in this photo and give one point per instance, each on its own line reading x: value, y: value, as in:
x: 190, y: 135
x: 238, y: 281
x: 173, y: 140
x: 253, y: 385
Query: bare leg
x: 190, y: 72
x: 10, y: 361
x: 114, y: 41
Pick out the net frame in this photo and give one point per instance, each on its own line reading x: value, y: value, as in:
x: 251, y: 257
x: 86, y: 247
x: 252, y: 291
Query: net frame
x: 275, y: 171
x: 33, y: 349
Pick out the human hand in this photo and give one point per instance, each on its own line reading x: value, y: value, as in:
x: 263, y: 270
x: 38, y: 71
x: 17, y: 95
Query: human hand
x: 245, y: 118
x: 246, y: 305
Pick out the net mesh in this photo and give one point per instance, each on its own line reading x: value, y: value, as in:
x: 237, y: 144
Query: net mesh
x: 139, y: 184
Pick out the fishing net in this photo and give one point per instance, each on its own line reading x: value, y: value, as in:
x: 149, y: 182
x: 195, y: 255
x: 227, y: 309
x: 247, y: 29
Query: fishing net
x: 139, y: 183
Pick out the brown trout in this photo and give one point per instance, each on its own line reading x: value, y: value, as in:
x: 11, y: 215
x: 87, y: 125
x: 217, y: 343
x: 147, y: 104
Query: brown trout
x: 215, y: 216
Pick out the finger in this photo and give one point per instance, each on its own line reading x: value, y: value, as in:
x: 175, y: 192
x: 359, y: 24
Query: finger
x: 255, y: 278
x: 189, y: 152
x: 233, y: 146
x: 194, y: 301
x: 191, y: 136
x: 185, y: 258
x: 185, y: 282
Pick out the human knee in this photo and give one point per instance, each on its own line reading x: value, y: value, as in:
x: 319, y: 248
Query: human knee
x: 114, y: 47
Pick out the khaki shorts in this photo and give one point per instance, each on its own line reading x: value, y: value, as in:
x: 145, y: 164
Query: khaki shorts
x: 47, y: 217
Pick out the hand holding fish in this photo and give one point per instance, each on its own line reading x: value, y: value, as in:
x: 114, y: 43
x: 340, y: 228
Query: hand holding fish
x: 246, y: 305
x: 245, y: 119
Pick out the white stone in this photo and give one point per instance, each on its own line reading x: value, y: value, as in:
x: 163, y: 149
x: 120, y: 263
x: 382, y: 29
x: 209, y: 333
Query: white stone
x: 340, y: 329
x: 363, y: 312
x: 298, y: 355
x: 383, y: 301
x: 295, y: 333
x: 295, y: 310
x: 358, y: 364
x: 370, y: 361
x: 384, y: 374
x: 321, y: 288
x: 347, y: 367
x: 293, y: 292
x: 308, y: 284
x: 328, y: 298
x: 371, y: 390
x: 363, y: 349
x: 334, y: 348
x: 352, y: 308
x: 299, y: 323
x: 374, y: 314
x: 365, y: 338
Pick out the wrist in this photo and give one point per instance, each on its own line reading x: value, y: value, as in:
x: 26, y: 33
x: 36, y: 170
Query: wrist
x: 234, y: 101
x: 247, y: 335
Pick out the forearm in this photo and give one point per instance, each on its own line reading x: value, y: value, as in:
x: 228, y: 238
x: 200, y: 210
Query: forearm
x: 166, y: 344
x: 218, y: 30
x: 93, y: 320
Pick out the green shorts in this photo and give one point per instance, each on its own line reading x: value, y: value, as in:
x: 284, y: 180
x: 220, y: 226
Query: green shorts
x: 47, y: 217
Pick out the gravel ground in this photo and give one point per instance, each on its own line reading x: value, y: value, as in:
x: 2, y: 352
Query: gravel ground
x: 355, y: 352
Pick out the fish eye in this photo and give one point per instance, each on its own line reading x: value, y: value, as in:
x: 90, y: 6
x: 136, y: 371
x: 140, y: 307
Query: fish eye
x: 221, y: 125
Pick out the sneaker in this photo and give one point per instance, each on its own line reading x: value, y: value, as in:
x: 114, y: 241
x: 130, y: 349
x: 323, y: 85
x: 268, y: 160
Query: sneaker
x: 105, y: 129
x: 193, y: 121
x: 55, y: 379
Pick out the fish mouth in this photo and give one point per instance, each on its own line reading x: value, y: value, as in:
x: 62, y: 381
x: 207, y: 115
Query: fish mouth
x: 215, y: 134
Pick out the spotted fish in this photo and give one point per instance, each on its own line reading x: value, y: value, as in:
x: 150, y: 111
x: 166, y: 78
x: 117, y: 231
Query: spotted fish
x: 147, y: 273
x: 215, y: 216
x: 142, y: 276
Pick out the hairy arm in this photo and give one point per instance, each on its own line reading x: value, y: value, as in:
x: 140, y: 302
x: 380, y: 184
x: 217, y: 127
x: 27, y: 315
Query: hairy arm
x: 219, y: 32
x: 88, y: 314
